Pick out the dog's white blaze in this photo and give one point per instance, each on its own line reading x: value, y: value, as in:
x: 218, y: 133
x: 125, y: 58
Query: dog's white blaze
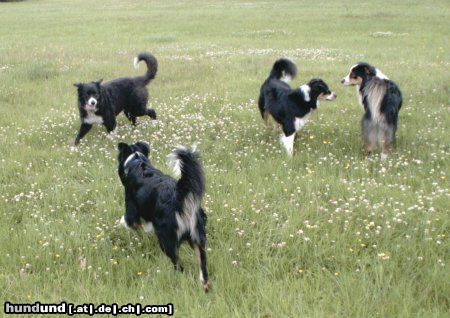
x: 379, y: 74
x: 92, y: 118
x: 187, y: 220
x: 305, y: 90
x: 288, y: 143
x: 136, y: 62
x: 124, y: 223
x: 300, y: 122
x: 286, y: 78
x: 148, y: 227
x: 130, y: 157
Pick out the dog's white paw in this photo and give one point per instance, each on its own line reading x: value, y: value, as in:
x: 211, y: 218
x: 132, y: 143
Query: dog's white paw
x: 123, y: 223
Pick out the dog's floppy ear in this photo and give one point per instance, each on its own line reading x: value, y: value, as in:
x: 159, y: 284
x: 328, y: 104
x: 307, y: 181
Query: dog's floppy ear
x: 370, y: 70
x: 122, y: 146
x: 144, y: 147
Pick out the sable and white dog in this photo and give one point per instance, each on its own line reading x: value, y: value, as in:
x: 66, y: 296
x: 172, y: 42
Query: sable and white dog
x: 381, y: 100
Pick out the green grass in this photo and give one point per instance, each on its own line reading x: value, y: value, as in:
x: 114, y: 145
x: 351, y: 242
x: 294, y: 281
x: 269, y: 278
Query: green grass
x: 329, y: 233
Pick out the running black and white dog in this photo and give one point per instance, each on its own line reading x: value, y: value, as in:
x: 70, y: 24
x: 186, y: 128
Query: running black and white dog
x: 100, y: 103
x: 381, y: 100
x: 156, y: 202
x: 291, y: 108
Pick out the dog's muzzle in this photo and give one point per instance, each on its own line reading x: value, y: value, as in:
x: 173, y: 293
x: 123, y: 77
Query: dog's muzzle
x: 331, y: 96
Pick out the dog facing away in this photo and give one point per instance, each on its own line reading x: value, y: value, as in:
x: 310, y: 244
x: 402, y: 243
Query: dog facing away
x: 381, y: 100
x: 157, y: 202
x: 100, y: 103
x: 291, y: 108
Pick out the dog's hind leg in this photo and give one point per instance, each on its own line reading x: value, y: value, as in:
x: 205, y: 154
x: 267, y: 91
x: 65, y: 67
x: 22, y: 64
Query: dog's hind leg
x: 200, y: 254
x: 199, y: 244
x: 130, y: 117
x: 169, y: 246
x: 276, y: 127
x: 386, y: 142
x: 265, y: 116
x: 369, y: 135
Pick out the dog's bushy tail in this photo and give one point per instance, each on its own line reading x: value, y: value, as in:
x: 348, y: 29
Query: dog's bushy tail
x: 283, y: 67
x: 152, y: 66
x: 191, y: 185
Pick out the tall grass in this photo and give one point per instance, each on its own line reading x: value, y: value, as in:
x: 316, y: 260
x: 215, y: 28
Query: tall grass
x: 330, y: 233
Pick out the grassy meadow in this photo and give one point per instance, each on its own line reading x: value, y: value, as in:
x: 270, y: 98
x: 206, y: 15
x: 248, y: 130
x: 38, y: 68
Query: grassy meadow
x: 329, y: 233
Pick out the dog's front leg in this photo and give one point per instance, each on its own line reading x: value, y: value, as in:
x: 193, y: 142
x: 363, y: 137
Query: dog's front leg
x: 84, y: 129
x: 288, y: 143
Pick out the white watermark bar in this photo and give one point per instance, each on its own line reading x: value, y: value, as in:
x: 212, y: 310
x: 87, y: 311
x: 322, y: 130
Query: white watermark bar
x: 88, y: 309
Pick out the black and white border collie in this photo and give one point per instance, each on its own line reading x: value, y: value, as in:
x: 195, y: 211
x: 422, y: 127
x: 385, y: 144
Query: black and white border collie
x: 100, y: 103
x: 157, y: 202
x: 291, y: 108
x: 381, y: 100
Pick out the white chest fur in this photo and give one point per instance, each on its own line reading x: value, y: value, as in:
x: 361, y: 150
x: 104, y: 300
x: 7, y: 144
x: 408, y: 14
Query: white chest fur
x: 300, y: 122
x: 92, y: 118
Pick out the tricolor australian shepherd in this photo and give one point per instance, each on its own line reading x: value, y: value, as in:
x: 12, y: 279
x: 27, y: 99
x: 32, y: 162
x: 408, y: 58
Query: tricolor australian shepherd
x: 100, y: 103
x: 171, y: 208
x: 291, y: 108
x: 381, y: 100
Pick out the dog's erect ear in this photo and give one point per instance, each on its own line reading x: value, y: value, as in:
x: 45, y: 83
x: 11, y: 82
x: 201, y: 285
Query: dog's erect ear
x: 77, y: 85
x: 144, y: 147
x: 370, y: 70
x: 99, y: 81
x: 122, y: 146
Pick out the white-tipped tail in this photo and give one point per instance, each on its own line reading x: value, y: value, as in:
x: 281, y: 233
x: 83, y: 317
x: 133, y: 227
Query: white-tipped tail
x: 136, y: 62
x: 175, y: 162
